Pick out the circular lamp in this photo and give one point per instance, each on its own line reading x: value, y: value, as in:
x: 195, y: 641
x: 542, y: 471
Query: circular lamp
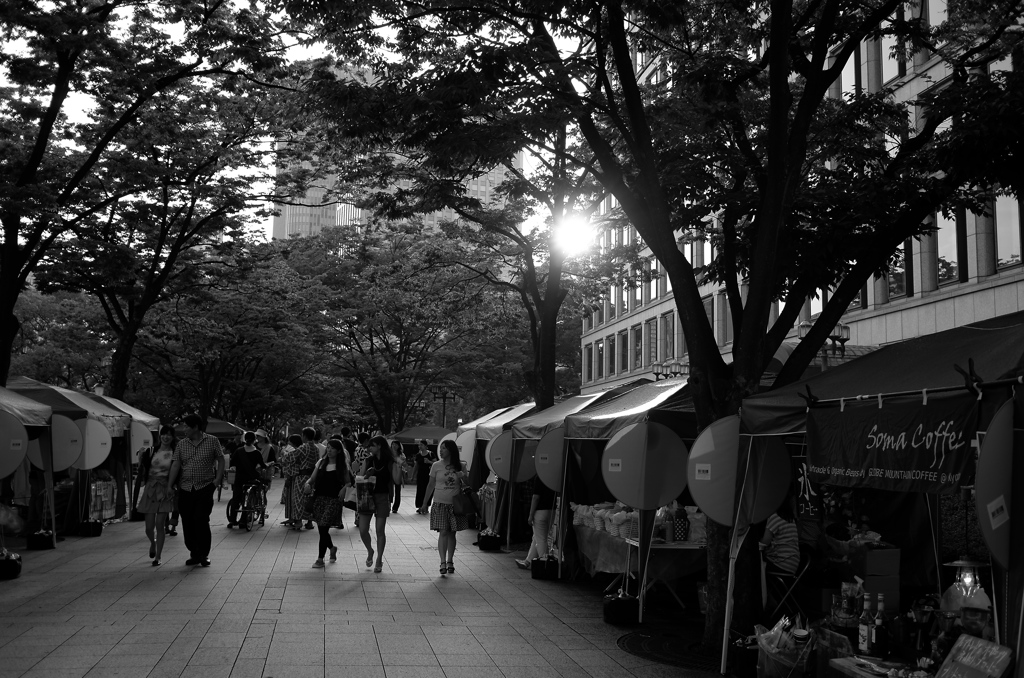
x: 966, y: 591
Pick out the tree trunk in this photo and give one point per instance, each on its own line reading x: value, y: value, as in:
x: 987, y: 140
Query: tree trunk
x: 9, y: 328
x: 546, y: 350
x: 121, y: 360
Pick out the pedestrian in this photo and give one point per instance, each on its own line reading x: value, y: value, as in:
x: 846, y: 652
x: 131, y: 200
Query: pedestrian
x: 399, y: 475
x: 289, y: 471
x: 303, y: 461
x: 376, y: 469
x: 362, y: 449
x: 424, y: 460
x: 157, y: 495
x: 197, y: 469
x: 446, y: 479
x: 248, y: 462
x: 541, y: 506
x: 328, y: 483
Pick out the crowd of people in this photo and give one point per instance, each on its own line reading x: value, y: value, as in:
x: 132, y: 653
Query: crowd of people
x: 361, y: 472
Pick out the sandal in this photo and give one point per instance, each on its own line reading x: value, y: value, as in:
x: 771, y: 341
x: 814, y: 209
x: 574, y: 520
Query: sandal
x: 451, y: 567
x: 369, y: 559
x: 444, y: 568
x: 378, y: 568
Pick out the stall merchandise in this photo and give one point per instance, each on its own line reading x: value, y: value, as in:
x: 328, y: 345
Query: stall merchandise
x: 902, y: 419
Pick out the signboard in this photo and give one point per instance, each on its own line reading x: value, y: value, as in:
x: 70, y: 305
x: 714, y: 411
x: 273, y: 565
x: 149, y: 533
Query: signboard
x: 644, y: 465
x: 550, y: 458
x: 13, y: 444
x: 906, y: 445
x: 993, y: 484
x: 975, y: 658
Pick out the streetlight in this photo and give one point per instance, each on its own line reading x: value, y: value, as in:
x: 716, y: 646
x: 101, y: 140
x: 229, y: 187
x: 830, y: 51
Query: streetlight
x: 839, y: 335
x: 659, y: 371
x: 442, y: 392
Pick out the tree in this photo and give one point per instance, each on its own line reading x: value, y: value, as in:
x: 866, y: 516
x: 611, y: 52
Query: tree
x: 250, y: 348
x: 63, y: 340
x: 194, y: 158
x: 402, y: 318
x: 110, y: 60
x: 736, y: 122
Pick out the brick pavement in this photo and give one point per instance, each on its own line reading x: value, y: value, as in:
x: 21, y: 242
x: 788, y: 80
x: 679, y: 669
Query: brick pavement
x: 97, y: 608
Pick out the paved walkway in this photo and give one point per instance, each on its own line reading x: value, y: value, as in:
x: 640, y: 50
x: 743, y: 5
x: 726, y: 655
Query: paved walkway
x: 96, y: 607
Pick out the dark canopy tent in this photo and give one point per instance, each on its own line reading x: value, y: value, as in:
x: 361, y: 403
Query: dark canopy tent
x: 665, y: 402
x: 417, y: 433
x: 35, y: 417
x: 995, y: 346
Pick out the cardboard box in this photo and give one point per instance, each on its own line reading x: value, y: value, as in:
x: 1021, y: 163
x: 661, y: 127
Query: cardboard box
x: 888, y: 585
x: 883, y: 562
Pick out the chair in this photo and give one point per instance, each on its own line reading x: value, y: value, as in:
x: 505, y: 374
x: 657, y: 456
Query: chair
x: 781, y: 587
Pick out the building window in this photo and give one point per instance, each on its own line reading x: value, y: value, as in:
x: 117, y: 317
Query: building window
x: 901, y: 275
x: 613, y: 302
x: 588, y: 320
x: 936, y: 12
x: 947, y: 244
x: 1008, y: 231
x: 849, y: 79
x: 638, y: 289
x: 652, y: 284
x: 638, y: 347
x: 709, y: 310
x: 624, y: 351
x: 652, y: 342
x: 707, y: 253
x: 588, y: 362
x: 668, y: 335
x: 611, y: 354
x: 599, y: 358
x: 892, y: 66
x: 599, y: 309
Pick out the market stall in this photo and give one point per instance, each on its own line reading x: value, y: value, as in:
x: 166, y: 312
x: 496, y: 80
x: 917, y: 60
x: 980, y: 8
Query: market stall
x: 22, y: 422
x: 492, y: 435
x: 655, y: 423
x: 413, y: 435
x: 904, y: 423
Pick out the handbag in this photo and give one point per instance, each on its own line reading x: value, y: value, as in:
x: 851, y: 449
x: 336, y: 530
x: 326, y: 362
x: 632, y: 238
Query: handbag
x: 307, y: 503
x: 364, y: 498
x: 463, y: 504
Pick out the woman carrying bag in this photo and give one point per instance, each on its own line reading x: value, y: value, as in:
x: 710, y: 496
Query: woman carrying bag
x: 447, y: 477
x: 376, y: 471
x: 327, y: 485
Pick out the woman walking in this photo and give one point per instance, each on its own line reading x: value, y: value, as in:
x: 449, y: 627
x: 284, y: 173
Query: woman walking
x: 446, y: 478
x: 376, y: 469
x: 327, y: 484
x: 303, y: 460
x: 157, y: 496
x: 288, y: 470
x: 399, y: 474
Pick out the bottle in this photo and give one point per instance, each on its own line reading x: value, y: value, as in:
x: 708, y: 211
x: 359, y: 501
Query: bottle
x: 880, y: 630
x: 864, y: 626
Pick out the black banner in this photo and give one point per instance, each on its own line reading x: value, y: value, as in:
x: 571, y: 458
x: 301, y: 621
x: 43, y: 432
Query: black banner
x: 906, y: 445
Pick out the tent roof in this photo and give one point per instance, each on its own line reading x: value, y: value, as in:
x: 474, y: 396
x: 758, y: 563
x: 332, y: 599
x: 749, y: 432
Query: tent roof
x: 602, y: 422
x: 471, y: 426
x: 72, y: 404
x: 26, y: 410
x: 995, y: 345
x: 493, y: 427
x: 144, y: 418
x: 537, y: 425
x: 414, y: 434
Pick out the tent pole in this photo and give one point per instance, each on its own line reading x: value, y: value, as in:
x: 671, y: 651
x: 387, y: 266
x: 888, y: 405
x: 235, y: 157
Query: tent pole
x: 935, y: 546
x: 560, y: 534
x: 46, y: 453
x: 735, y: 543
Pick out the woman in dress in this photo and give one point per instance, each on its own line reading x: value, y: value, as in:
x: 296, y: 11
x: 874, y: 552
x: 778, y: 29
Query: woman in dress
x: 446, y: 478
x: 288, y: 470
x: 327, y: 484
x: 399, y: 474
x: 157, y: 496
x: 376, y: 469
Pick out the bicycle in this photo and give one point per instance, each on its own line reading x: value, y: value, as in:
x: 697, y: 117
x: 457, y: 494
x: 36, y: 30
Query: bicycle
x: 254, y: 504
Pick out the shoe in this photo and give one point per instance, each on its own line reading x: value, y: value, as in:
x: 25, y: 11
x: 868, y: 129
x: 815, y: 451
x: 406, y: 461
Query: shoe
x: 319, y: 563
x: 205, y: 562
x: 192, y: 562
x: 334, y: 554
x: 156, y: 561
x: 444, y: 568
x: 451, y: 567
x: 377, y: 568
x: 152, y: 550
x: 309, y: 524
x: 523, y: 565
x: 369, y: 559
x: 394, y: 510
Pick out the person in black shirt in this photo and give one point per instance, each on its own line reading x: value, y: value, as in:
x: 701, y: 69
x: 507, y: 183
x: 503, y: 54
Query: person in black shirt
x: 328, y: 484
x: 248, y: 461
x: 541, y: 506
x: 376, y: 470
x: 424, y: 460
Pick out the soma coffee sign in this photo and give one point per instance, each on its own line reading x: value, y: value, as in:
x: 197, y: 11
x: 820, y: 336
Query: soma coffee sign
x: 909, y: 444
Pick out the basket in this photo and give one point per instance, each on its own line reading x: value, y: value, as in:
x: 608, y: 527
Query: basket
x: 631, y: 528
x: 773, y: 664
x: 612, y: 527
